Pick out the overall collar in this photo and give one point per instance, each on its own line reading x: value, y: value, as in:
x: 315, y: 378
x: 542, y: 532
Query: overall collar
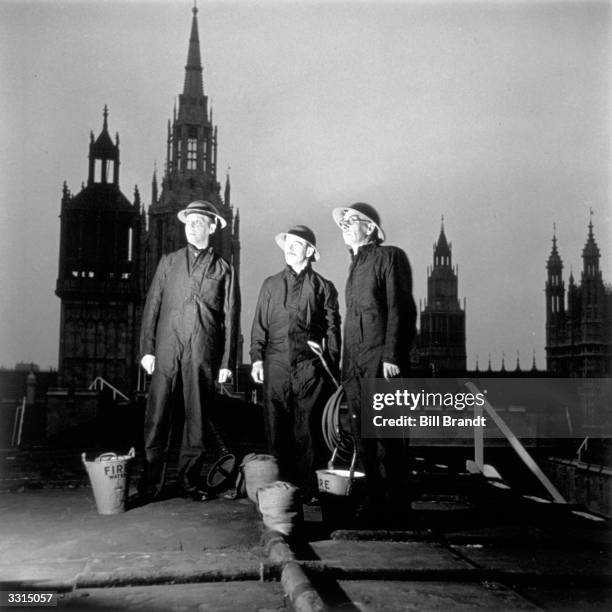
x: 364, y: 248
x: 289, y: 271
x: 193, y: 250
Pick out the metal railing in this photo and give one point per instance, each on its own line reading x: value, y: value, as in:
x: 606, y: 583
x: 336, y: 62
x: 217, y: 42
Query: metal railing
x: 584, y: 446
x: 520, y: 450
x: 18, y: 423
x: 100, y: 383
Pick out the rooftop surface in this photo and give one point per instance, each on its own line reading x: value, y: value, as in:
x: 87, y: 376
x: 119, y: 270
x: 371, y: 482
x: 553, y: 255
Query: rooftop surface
x: 465, y: 543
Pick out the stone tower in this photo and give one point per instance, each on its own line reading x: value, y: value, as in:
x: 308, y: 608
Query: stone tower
x: 190, y: 171
x: 98, y: 274
x: 579, y: 330
x: 555, y: 308
x: 442, y: 330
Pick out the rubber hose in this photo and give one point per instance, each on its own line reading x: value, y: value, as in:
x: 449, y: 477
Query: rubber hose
x: 333, y: 434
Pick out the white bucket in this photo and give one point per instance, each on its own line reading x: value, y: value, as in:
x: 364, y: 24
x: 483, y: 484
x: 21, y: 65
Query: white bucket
x: 108, y: 474
x: 336, y: 481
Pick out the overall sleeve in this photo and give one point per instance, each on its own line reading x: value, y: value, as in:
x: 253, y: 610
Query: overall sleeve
x: 150, y: 314
x: 401, y: 310
x: 332, y: 318
x: 232, y: 320
x: 259, y: 329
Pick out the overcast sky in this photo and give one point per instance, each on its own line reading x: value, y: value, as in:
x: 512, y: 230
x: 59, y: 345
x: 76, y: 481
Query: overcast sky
x: 495, y: 115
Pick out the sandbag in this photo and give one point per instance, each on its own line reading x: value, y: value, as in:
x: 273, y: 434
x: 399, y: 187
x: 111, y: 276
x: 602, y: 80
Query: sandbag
x: 280, y: 505
x: 259, y: 471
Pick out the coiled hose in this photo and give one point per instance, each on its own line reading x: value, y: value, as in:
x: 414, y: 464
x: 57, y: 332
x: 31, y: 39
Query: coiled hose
x: 333, y: 433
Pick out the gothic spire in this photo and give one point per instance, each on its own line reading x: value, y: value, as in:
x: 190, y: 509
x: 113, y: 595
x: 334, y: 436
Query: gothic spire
x: 104, y: 142
x: 228, y: 187
x: 442, y: 249
x: 154, y: 185
x: 442, y: 246
x: 554, y: 259
x: 193, y: 70
x: 101, y: 151
x: 590, y: 253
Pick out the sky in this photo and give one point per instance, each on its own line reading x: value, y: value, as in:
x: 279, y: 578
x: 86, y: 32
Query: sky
x: 495, y: 115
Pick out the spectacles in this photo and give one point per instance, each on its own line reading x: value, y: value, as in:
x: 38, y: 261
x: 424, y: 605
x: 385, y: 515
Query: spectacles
x: 343, y: 223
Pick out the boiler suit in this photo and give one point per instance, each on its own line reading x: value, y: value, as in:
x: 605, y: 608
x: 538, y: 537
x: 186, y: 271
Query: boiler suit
x: 292, y: 309
x: 379, y: 327
x: 189, y: 324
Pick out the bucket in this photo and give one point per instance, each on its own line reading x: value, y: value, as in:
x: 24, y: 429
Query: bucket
x: 335, y: 481
x: 280, y: 506
x: 259, y: 471
x: 108, y: 474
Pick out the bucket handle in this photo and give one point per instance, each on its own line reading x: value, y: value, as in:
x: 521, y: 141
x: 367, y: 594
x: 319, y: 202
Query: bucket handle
x: 109, y: 456
x: 330, y: 465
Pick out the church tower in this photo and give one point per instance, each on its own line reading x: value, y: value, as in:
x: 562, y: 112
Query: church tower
x: 555, y: 311
x: 579, y: 337
x: 190, y: 171
x: 442, y: 334
x: 98, y: 274
x: 595, y: 349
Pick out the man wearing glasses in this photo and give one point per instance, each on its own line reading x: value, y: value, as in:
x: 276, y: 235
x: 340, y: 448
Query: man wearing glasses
x: 379, y: 332
x: 188, y: 330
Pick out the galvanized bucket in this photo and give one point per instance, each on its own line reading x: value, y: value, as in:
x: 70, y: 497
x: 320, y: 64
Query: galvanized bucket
x: 336, y: 481
x: 108, y: 474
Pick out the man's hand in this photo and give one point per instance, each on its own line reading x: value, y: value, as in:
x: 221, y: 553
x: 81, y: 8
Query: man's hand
x: 148, y: 363
x: 390, y: 370
x: 257, y: 372
x: 225, y: 375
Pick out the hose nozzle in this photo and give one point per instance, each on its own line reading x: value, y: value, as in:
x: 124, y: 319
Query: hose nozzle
x: 316, y: 348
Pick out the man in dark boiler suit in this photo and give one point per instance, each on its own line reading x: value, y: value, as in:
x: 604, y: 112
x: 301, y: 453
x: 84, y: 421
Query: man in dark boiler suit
x: 379, y: 332
x: 295, y: 306
x: 188, y: 329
